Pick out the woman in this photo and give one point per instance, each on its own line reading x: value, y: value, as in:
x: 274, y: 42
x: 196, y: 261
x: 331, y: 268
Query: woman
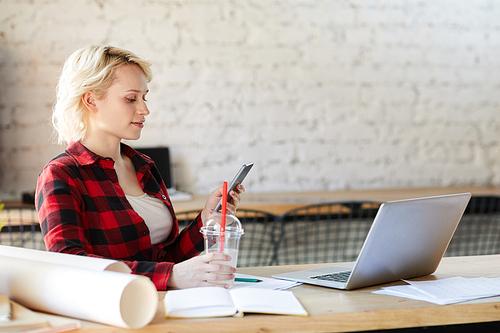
x: 102, y: 198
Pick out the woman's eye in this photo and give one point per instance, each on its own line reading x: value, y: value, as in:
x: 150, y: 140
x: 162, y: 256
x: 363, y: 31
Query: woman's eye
x: 131, y: 100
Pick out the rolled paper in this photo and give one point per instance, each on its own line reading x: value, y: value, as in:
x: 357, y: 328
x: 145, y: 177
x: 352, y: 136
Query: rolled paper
x: 98, y: 264
x: 106, y: 297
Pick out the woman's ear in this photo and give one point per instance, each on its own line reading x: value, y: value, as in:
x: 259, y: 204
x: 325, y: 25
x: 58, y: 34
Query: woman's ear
x: 88, y: 100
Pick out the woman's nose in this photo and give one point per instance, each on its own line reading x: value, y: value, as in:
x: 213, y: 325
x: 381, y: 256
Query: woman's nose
x: 144, y: 110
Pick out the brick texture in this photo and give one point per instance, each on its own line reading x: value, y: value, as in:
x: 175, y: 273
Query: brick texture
x: 320, y: 95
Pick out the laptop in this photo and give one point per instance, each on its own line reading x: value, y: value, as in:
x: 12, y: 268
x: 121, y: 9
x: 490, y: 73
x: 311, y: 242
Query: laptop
x: 407, y: 239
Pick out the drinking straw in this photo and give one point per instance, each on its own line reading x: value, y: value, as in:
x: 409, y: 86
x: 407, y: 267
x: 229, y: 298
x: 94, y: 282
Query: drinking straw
x: 223, y: 217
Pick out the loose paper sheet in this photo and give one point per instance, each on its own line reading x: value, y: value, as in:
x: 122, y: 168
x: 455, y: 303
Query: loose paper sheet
x: 266, y: 283
x: 446, y: 291
x: 24, y: 320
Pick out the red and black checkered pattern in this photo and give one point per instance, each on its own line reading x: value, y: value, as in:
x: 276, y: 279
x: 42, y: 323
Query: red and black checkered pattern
x: 83, y: 210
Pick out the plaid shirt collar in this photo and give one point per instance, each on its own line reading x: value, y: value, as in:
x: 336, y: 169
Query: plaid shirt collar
x: 85, y: 157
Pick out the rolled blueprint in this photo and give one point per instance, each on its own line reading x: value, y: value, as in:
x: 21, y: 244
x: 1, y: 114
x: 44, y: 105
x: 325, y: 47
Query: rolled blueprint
x: 107, y: 297
x: 97, y: 264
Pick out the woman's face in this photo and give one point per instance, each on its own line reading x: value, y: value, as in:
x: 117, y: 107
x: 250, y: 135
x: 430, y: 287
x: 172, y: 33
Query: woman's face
x: 121, y: 112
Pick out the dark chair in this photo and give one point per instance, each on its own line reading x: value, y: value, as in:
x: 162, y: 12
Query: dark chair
x: 21, y: 228
x: 258, y: 243
x: 329, y: 232
x: 478, y: 233
x: 185, y: 218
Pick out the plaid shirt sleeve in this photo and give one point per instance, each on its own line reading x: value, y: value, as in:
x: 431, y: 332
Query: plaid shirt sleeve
x: 83, y: 211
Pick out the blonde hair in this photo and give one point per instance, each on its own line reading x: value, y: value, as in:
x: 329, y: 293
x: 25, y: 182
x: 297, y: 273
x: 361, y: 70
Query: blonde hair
x: 88, y: 69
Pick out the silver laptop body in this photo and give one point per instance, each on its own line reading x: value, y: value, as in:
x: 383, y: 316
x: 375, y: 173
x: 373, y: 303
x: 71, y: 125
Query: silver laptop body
x: 407, y: 239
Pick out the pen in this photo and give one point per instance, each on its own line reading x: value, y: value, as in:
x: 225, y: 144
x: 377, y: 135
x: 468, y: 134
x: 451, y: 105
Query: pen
x: 247, y: 280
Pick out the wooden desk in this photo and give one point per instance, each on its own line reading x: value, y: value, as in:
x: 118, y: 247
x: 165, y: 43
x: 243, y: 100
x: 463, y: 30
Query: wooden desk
x: 279, y: 203
x: 346, y: 311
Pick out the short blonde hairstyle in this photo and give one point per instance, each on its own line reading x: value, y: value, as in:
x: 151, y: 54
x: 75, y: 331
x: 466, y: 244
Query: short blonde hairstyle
x: 88, y: 69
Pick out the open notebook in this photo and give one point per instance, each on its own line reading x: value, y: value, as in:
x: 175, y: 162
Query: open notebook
x: 218, y: 302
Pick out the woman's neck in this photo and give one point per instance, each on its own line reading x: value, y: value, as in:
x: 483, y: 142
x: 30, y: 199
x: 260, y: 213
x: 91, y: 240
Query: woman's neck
x: 103, y: 148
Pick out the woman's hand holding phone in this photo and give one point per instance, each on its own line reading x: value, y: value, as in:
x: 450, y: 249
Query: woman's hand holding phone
x: 235, y: 189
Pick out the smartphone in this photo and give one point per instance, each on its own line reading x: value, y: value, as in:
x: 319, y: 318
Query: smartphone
x: 238, y: 179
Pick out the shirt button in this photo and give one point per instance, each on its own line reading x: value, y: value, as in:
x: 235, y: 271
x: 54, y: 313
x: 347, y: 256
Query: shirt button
x: 164, y: 197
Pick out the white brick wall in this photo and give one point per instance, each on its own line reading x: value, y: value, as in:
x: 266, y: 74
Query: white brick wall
x: 321, y: 95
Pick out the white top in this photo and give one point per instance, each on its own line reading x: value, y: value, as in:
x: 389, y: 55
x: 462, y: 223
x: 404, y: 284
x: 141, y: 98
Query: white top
x: 156, y: 215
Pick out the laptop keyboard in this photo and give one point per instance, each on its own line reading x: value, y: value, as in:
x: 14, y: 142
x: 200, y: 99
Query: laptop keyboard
x: 336, y: 277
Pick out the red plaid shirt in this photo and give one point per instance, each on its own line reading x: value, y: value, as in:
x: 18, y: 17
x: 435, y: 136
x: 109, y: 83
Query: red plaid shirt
x: 83, y: 210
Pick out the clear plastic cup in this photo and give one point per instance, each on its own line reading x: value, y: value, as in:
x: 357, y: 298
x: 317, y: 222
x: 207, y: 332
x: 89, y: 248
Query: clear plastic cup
x: 227, y: 242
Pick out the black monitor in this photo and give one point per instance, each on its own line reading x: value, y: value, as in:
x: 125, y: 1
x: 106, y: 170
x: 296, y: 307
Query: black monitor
x: 161, y: 157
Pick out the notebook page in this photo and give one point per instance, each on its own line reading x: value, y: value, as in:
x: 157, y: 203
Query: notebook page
x: 267, y: 301
x: 199, y: 302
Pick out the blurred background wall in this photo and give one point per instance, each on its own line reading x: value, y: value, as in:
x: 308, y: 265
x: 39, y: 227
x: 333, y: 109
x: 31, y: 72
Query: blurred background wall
x: 320, y: 95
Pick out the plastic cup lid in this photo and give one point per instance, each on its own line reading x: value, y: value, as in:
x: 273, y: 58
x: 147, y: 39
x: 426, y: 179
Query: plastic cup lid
x: 213, y: 224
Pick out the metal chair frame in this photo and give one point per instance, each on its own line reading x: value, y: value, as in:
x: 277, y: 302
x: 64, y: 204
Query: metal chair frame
x: 478, y: 233
x: 326, y: 232
x: 21, y: 228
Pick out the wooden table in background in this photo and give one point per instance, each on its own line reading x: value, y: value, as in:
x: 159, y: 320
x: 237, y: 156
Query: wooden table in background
x: 279, y: 203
